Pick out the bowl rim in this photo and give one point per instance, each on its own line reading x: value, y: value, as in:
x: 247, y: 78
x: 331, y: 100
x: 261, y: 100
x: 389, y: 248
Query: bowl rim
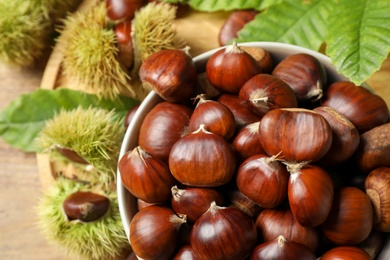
x: 277, y: 49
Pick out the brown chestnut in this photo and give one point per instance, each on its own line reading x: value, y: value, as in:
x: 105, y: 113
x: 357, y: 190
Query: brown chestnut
x: 272, y: 223
x: 242, y: 115
x: 216, y: 117
x: 233, y: 24
x: 246, y: 142
x: 185, y: 253
x: 154, y: 232
x: 282, y: 248
x: 123, y: 9
x: 304, y: 74
x: 297, y: 134
x: 202, y: 159
x: 170, y: 73
x: 243, y: 203
x: 194, y: 201
x: 223, y: 233
x: 310, y: 194
x: 124, y: 41
x: 351, y: 218
x: 263, y: 179
x: 363, y: 108
x: 346, y: 252
x: 345, y: 140
x: 377, y: 185
x: 85, y: 206
x: 264, y: 92
x: 145, y: 177
x: 262, y: 56
x: 164, y: 124
x: 229, y: 68
x: 374, y: 149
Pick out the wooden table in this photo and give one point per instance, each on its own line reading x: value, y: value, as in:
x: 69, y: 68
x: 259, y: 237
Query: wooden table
x: 20, y: 184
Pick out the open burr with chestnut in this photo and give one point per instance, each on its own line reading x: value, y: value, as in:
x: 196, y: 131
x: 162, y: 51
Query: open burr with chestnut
x: 258, y: 171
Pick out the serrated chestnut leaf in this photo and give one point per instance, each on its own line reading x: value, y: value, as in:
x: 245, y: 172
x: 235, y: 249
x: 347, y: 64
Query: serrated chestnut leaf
x: 304, y: 74
x: 85, y: 206
x: 216, y: 117
x: 145, y: 177
x: 202, y: 159
x: 229, y: 68
x: 154, y: 232
x: 345, y: 139
x: 264, y: 92
x: 310, y: 194
x: 282, y: 248
x: 194, y: 201
x: 346, y: 252
x: 272, y: 223
x: 297, y: 134
x: 242, y: 115
x: 223, y: 233
x: 363, y: 108
x: 377, y: 186
x: 263, y: 180
x: 374, y: 149
x: 350, y: 219
x: 171, y: 73
x: 164, y: 124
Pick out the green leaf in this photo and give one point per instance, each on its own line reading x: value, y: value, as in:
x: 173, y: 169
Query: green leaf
x: 358, y: 37
x: 224, y: 5
x: 300, y: 23
x: 23, y: 119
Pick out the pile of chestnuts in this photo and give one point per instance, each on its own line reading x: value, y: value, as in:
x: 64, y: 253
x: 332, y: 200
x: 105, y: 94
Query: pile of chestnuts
x: 248, y: 158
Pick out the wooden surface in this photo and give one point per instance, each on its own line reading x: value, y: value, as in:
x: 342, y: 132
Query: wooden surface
x: 20, y: 183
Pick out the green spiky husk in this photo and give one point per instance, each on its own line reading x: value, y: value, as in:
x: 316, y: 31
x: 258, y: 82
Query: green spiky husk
x: 101, y: 239
x: 26, y: 28
x: 152, y: 31
x: 90, y: 55
x: 94, y: 133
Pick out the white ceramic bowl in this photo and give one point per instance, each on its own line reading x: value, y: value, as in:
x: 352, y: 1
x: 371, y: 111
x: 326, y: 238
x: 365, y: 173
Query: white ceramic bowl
x: 278, y: 51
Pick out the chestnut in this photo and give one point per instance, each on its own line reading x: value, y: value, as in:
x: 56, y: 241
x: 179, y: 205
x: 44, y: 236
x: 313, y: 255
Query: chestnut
x: 202, y: 159
x: 350, y: 219
x: 171, y: 73
x: 145, y: 177
x: 298, y: 134
x: 154, y: 232
x: 282, y: 248
x: 363, y: 108
x: 229, y: 68
x: 310, y: 194
x: 345, y: 140
x: 85, y: 206
x: 346, y: 252
x: 264, y: 92
x: 263, y: 179
x: 272, y: 223
x: 123, y: 9
x: 223, y: 233
x: 262, y: 56
x: 374, y: 149
x: 246, y: 142
x: 243, y: 203
x: 164, y: 124
x: 193, y: 201
x: 216, y: 117
x: 184, y: 253
x: 242, y: 115
x: 233, y: 24
x: 304, y: 74
x: 377, y: 185
x: 124, y: 41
